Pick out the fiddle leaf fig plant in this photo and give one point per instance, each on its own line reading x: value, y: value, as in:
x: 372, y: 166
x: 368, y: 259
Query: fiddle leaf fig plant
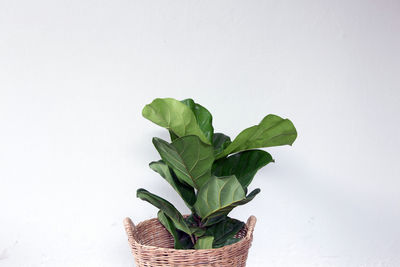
x: 209, y: 172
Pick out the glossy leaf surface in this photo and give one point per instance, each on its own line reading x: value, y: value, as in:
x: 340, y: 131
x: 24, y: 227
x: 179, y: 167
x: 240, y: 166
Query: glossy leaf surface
x: 224, y: 230
x: 220, y: 142
x: 166, y: 207
x: 174, y: 116
x: 272, y: 131
x: 219, y: 196
x: 185, y: 191
x: 189, y: 158
x: 203, y: 117
x: 243, y: 165
x: 181, y: 239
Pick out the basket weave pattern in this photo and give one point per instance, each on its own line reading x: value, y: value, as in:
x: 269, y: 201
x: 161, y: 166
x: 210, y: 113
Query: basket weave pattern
x: 152, y: 246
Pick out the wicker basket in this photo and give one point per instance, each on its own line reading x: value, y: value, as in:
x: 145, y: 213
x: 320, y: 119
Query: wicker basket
x: 152, y: 246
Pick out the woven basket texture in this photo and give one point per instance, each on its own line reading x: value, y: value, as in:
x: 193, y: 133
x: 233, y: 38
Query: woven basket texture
x: 152, y: 246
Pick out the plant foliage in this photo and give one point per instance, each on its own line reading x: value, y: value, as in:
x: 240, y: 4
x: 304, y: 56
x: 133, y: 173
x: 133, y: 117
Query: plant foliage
x: 210, y: 172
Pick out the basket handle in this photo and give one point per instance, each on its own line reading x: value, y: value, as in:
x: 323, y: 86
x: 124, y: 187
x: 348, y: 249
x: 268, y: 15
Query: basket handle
x: 251, y: 223
x: 130, y: 229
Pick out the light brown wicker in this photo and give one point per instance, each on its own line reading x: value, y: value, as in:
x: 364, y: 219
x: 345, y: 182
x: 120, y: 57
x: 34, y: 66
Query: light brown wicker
x: 152, y: 246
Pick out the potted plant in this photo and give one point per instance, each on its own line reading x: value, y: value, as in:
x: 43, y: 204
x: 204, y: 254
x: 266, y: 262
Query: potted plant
x: 211, y: 174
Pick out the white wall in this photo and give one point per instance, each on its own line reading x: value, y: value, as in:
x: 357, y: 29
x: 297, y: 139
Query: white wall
x: 74, y: 76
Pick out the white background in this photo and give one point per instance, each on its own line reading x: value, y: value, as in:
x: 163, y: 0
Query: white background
x: 74, y: 76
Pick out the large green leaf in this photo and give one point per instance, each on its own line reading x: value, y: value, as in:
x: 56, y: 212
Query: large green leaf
x: 175, y: 116
x: 189, y: 157
x: 219, y: 196
x: 272, y: 131
x: 223, y: 231
x: 203, y: 117
x: 220, y: 214
x: 220, y: 142
x: 243, y: 165
x: 181, y: 239
x: 166, y: 207
x: 204, y: 242
x: 184, y: 190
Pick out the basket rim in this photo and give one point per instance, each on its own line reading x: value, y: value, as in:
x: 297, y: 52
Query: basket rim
x: 130, y: 228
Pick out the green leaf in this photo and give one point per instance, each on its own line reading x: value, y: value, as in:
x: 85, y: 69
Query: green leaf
x: 175, y: 116
x: 191, y: 221
x: 220, y: 142
x: 189, y: 157
x: 223, y: 231
x: 172, y: 135
x: 184, y: 190
x: 197, y: 231
x: 203, y: 117
x: 193, y: 225
x: 219, y: 196
x: 166, y: 207
x: 272, y: 131
x: 204, y: 242
x: 243, y: 165
x: 181, y: 239
x: 229, y: 241
x: 213, y: 220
